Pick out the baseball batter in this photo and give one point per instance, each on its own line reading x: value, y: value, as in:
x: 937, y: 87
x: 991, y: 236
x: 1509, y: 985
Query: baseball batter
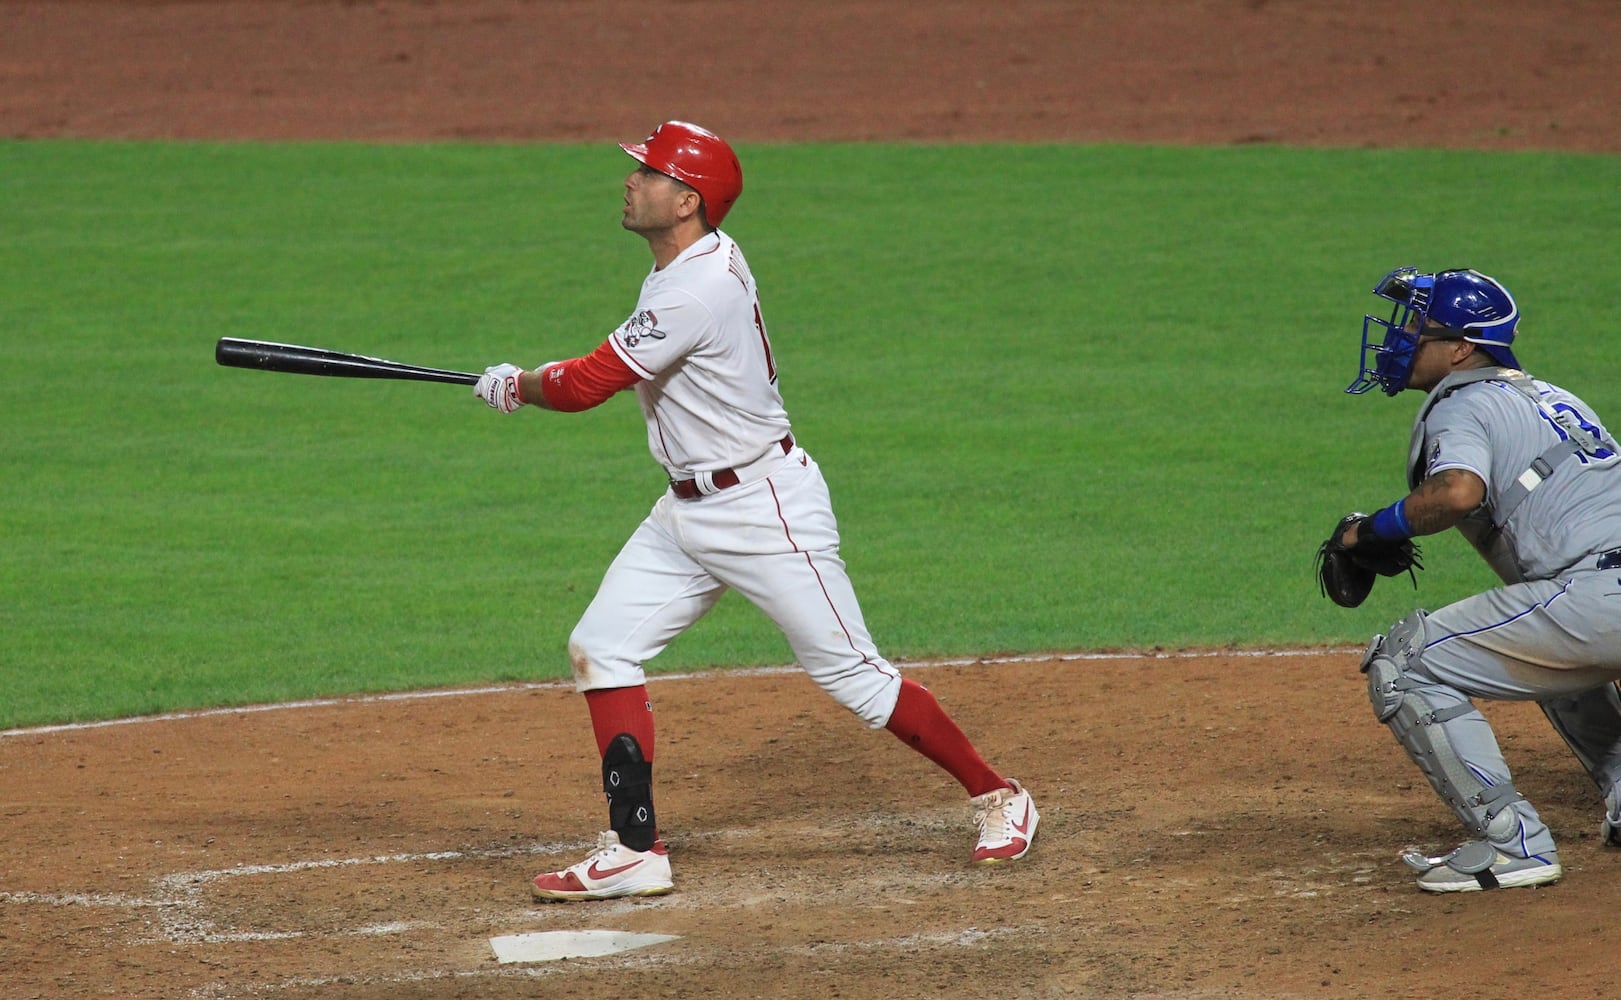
x: 747, y: 509
x: 1530, y: 476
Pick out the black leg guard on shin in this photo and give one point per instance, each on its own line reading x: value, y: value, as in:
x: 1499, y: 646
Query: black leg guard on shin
x: 627, y: 780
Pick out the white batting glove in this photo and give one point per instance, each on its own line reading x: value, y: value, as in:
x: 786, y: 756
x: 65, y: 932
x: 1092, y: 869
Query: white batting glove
x: 498, y: 387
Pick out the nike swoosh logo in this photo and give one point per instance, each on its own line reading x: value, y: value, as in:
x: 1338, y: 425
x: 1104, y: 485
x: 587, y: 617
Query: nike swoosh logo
x: 594, y: 872
x: 1023, y: 826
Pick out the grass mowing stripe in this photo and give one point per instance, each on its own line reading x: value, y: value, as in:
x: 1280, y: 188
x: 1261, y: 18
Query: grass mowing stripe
x: 1066, y: 397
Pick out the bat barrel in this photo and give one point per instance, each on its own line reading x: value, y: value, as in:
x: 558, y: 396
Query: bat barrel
x: 270, y: 356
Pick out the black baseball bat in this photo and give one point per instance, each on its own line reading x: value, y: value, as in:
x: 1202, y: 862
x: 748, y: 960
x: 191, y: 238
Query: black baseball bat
x: 273, y: 357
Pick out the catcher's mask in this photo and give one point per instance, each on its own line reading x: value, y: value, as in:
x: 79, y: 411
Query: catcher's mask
x: 697, y: 158
x: 1470, y: 305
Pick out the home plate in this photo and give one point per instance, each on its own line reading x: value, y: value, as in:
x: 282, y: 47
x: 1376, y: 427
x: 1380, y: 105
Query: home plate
x: 549, y: 946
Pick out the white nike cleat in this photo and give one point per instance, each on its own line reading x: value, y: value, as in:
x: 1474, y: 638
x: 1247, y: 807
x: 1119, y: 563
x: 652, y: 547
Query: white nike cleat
x: 1007, y: 821
x: 614, y: 871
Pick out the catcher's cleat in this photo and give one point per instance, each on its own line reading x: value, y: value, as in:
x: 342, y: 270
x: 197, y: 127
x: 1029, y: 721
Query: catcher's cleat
x: 1007, y: 821
x: 1478, y: 866
x: 1610, y: 827
x: 613, y: 872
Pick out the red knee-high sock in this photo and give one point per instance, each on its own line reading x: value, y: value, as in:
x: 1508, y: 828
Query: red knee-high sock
x: 920, y: 723
x: 614, y: 713
x: 622, y: 710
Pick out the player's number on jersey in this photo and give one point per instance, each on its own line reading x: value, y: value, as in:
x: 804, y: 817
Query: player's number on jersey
x: 1571, y: 413
x: 765, y: 342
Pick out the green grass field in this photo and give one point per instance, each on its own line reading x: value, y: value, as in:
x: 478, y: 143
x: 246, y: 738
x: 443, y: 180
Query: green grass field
x: 1066, y: 397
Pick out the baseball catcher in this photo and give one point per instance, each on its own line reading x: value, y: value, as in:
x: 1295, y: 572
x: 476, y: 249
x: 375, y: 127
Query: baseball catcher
x: 1528, y: 474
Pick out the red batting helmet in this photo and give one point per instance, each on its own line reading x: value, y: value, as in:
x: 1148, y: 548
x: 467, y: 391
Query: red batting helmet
x: 696, y: 157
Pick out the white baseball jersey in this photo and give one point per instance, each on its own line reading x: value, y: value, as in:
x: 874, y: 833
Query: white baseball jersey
x: 697, y: 339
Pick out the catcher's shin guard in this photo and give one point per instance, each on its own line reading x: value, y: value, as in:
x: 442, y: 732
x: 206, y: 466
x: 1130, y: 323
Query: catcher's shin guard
x: 1418, y: 713
x: 627, y: 780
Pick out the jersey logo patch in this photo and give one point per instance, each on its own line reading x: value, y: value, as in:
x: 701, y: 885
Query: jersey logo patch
x: 642, y: 326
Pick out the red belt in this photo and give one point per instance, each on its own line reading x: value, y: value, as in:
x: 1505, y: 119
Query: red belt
x: 687, y: 489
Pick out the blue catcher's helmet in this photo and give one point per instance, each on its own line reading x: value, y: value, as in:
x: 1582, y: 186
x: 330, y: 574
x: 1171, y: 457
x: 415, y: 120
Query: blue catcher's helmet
x: 1469, y: 304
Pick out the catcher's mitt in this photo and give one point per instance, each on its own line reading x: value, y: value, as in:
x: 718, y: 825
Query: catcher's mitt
x: 1346, y: 574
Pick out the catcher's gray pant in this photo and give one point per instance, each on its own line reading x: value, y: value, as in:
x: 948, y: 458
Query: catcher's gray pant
x: 1555, y: 642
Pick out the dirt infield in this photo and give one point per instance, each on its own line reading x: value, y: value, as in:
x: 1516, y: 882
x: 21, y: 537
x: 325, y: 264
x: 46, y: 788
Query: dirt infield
x: 1214, y: 825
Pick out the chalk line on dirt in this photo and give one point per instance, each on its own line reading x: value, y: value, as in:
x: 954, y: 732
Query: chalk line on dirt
x: 183, y: 919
